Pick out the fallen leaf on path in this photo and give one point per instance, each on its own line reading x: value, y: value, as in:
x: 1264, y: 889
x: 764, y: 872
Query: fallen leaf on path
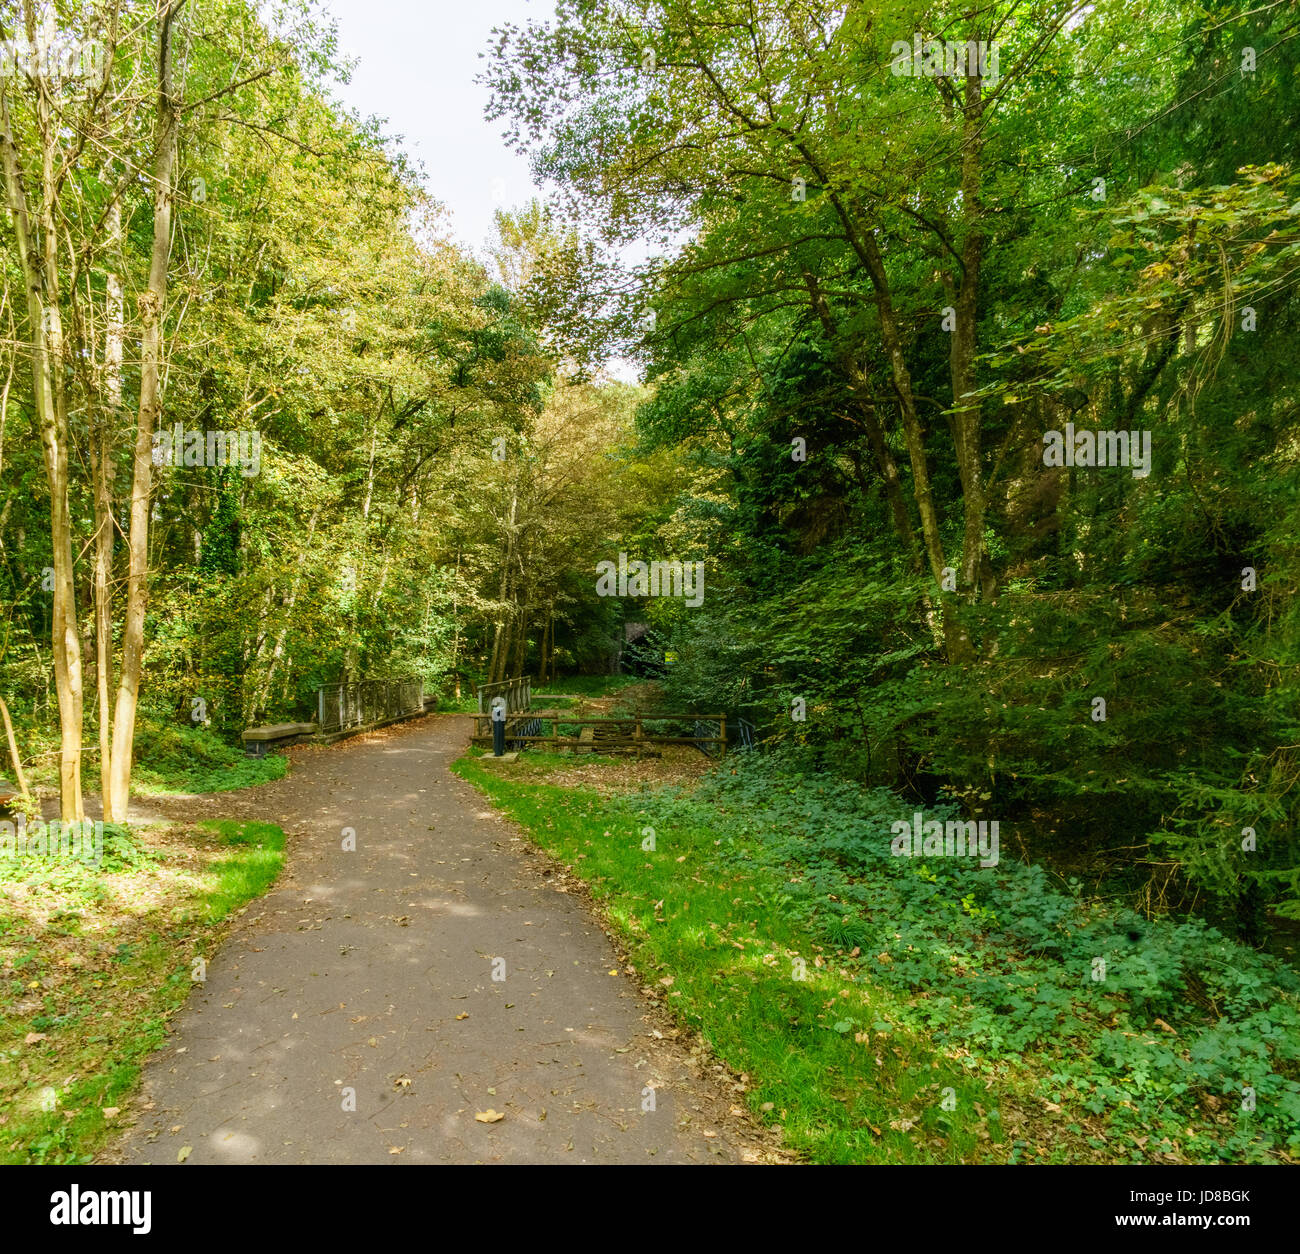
x: 489, y: 1116
x: 464, y: 1014
x: 184, y: 1152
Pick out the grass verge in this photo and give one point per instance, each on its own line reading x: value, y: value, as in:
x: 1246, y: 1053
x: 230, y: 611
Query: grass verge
x: 95, y: 960
x: 1106, y: 1037
x: 827, y: 1058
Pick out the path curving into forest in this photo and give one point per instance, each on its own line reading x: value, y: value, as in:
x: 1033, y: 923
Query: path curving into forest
x: 372, y: 971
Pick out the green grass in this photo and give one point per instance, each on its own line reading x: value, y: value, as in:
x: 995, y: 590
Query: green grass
x: 825, y: 1055
x: 257, y: 854
x: 467, y: 703
x: 246, y: 773
x: 96, y: 960
x: 590, y: 685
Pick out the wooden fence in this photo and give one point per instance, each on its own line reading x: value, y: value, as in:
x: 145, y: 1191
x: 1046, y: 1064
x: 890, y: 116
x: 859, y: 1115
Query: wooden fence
x: 608, y: 733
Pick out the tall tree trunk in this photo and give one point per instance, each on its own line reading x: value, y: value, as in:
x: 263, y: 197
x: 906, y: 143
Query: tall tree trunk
x: 153, y: 306
x: 38, y: 262
x: 264, y: 695
x: 545, y: 663
x: 966, y: 419
x: 956, y: 642
x: 13, y: 752
x: 101, y: 469
x: 860, y: 386
x: 496, y: 669
x: 521, y: 642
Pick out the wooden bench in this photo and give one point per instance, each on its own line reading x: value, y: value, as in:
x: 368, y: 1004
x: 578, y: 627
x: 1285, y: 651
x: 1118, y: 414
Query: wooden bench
x: 258, y: 741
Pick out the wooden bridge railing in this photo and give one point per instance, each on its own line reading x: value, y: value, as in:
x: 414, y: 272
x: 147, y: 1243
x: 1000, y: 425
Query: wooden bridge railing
x: 518, y: 694
x: 344, y: 706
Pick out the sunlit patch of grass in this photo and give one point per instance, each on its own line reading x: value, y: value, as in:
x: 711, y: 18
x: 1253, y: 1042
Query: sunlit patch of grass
x: 590, y: 685
x: 94, y: 961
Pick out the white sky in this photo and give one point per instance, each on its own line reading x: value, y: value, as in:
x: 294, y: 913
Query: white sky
x: 418, y: 61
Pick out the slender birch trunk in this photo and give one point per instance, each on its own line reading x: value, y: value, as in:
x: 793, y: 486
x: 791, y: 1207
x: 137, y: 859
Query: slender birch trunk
x: 37, y: 247
x: 153, y: 305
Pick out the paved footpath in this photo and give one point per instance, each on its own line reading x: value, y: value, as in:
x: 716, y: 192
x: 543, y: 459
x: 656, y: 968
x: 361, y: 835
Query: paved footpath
x: 372, y: 972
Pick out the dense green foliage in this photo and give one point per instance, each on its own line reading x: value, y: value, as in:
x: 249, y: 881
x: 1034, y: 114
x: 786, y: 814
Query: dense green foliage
x: 1006, y: 963
x: 972, y: 391
x: 913, y: 283
x: 425, y: 467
